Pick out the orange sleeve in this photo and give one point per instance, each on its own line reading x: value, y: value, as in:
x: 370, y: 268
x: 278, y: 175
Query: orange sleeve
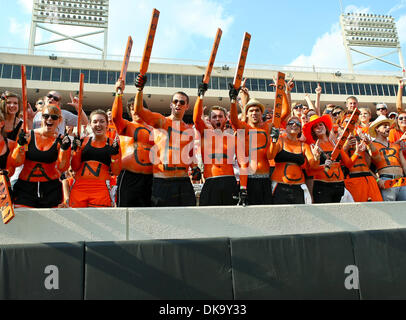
x: 63, y: 162
x: 346, y: 160
x: 311, y: 161
x: 76, y: 161
x: 10, y: 165
x: 236, y: 123
x: 285, y: 107
x: 274, y: 148
x: 117, y: 115
x: 153, y: 119
x: 197, y: 115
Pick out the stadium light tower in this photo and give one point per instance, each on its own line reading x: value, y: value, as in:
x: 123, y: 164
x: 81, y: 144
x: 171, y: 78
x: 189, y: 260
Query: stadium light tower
x: 77, y: 13
x: 370, y: 30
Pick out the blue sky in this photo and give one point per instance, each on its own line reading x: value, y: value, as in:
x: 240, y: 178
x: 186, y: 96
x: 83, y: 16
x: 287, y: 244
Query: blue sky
x: 290, y: 32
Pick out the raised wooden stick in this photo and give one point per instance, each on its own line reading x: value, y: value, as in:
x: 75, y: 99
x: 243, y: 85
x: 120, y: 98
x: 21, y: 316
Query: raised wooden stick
x: 24, y: 97
x: 149, y: 43
x: 126, y: 61
x: 81, y: 85
x: 277, y: 112
x: 209, y: 68
x: 343, y: 139
x: 241, y: 62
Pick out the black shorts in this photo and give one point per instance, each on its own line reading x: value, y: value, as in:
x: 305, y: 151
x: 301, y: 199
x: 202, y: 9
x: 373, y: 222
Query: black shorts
x: 259, y: 191
x: 219, y: 191
x: 38, y: 194
x: 134, y: 189
x: 172, y: 192
x: 288, y: 194
x: 327, y: 192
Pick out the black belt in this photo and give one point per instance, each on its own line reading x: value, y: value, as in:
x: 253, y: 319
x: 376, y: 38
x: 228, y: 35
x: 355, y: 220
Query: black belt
x: 360, y: 174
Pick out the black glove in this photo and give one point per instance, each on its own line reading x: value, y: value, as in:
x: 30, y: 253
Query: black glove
x: 140, y: 81
x: 65, y: 145
x: 115, y: 148
x: 77, y: 143
x: 196, y: 174
x: 233, y: 92
x: 21, y: 138
x: 275, y: 134
x: 202, y: 89
x: 242, y: 198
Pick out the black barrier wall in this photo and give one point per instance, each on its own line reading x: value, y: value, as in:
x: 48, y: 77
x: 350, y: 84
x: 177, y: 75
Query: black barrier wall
x: 42, y: 271
x: 358, y: 265
x: 169, y: 270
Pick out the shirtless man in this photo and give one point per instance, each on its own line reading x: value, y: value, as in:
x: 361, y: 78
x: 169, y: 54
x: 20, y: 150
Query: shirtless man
x: 135, y: 144
x: 218, y: 151
x: 387, y: 158
x: 172, y: 153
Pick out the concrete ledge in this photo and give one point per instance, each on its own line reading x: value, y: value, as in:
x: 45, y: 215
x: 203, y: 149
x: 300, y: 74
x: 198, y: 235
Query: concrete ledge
x: 65, y: 225
x: 120, y: 224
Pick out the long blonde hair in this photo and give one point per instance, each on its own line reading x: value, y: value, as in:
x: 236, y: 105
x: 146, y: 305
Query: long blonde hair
x: 3, y: 103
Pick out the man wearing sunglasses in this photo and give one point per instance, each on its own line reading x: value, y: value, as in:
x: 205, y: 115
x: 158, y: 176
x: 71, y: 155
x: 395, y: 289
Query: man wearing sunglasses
x: 172, y: 154
x: 382, y: 110
x: 68, y: 118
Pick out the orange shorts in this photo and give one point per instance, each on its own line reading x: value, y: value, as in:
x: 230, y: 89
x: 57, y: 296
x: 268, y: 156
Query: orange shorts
x: 363, y: 189
x: 90, y: 194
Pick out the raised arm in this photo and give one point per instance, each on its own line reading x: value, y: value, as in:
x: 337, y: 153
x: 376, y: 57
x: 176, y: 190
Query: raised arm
x: 399, y: 106
x: 154, y: 119
x: 75, y: 103
x: 317, y: 103
x: 117, y: 109
x: 63, y: 162
x: 235, y: 122
x: 198, y: 109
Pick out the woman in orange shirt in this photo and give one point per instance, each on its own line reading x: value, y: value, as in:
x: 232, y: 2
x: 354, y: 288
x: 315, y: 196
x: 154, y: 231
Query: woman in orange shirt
x: 328, y: 177
x: 398, y: 133
x: 45, y: 158
x: 291, y: 157
x: 92, y: 161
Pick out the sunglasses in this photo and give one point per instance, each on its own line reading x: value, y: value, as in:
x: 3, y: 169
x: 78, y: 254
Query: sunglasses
x: 182, y: 102
x: 299, y: 106
x: 380, y: 109
x: 336, y: 114
x: 53, y: 116
x: 40, y: 103
x: 56, y: 98
x: 291, y: 123
x: 401, y: 118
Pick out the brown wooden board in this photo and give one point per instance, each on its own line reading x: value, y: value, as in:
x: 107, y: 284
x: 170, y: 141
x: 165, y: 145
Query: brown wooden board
x: 241, y: 62
x: 343, y: 139
x: 24, y: 96
x: 7, y: 209
x: 209, y: 68
x: 126, y: 59
x: 277, y: 113
x: 80, y: 106
x: 150, y: 42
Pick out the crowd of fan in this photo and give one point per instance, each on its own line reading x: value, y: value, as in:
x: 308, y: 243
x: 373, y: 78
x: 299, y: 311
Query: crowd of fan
x: 234, y: 156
